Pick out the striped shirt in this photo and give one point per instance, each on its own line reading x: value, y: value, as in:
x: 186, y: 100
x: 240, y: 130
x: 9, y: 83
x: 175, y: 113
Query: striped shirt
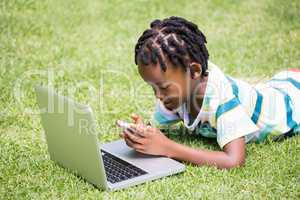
x: 232, y: 108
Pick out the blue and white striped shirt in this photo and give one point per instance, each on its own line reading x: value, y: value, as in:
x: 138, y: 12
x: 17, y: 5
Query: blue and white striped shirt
x: 233, y: 108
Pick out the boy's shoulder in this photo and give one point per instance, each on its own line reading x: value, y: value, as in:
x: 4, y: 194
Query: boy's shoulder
x: 216, y: 73
x: 219, y: 85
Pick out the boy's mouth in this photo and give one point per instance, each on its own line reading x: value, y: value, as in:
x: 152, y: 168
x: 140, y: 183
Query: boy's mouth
x: 168, y: 104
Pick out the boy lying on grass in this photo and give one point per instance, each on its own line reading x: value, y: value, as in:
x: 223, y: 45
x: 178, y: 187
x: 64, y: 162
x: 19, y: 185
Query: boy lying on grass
x: 173, y: 59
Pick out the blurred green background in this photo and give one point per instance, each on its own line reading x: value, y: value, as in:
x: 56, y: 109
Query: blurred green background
x: 86, y: 50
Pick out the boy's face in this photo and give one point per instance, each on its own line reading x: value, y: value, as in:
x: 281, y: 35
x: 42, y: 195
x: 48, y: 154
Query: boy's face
x: 171, y: 86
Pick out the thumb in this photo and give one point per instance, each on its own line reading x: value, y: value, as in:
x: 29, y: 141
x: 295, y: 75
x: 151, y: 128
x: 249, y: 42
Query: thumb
x: 137, y: 119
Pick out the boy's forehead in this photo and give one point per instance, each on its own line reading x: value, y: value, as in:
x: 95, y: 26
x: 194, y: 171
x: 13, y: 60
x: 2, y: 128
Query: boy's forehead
x: 155, y: 75
x: 152, y: 74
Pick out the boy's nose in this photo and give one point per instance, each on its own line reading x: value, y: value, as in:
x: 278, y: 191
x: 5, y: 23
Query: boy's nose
x: 159, y: 96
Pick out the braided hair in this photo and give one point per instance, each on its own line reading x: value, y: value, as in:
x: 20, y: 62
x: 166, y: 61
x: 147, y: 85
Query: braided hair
x: 176, y: 38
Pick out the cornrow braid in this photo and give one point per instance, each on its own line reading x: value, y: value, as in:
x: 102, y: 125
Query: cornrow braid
x: 176, y: 38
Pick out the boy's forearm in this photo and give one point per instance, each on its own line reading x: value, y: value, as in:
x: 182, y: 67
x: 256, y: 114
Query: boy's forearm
x: 219, y: 159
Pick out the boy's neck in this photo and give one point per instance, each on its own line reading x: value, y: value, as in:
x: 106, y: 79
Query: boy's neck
x: 198, y: 95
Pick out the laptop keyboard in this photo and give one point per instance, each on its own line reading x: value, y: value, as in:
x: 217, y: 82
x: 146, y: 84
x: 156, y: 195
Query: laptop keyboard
x: 118, y: 170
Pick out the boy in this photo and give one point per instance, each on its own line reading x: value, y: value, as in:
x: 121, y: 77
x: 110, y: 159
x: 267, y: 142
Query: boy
x: 173, y: 59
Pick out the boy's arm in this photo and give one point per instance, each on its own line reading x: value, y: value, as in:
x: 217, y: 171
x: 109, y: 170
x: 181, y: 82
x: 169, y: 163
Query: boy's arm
x: 233, y: 154
x: 150, y: 140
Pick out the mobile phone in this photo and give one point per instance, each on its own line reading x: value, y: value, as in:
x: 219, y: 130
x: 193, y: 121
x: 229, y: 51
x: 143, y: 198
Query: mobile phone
x: 123, y: 124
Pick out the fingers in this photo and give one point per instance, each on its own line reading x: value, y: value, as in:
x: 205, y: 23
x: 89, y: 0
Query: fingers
x: 136, y: 146
x: 136, y: 131
x: 141, y: 130
x: 127, y: 130
x: 129, y: 142
x: 134, y: 137
x: 137, y: 119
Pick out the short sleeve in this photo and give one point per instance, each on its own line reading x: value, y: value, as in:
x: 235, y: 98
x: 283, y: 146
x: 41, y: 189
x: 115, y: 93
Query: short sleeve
x: 162, y: 116
x: 231, y: 119
x: 233, y: 122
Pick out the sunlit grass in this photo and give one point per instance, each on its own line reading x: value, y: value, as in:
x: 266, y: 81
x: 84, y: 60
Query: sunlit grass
x: 78, y: 44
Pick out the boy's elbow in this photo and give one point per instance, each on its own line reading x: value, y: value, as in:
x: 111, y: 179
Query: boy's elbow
x: 234, y: 163
x: 237, y: 163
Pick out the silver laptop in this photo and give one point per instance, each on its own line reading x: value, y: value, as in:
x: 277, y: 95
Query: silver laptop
x: 73, y: 143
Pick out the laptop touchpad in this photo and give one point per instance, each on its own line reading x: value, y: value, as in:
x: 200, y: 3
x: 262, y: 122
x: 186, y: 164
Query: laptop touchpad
x: 150, y: 163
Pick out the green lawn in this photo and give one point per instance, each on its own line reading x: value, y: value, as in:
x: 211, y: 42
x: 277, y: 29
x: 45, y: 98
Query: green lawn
x: 75, y: 45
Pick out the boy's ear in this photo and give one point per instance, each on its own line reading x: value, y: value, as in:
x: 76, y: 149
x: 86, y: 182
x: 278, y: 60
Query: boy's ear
x: 195, y: 69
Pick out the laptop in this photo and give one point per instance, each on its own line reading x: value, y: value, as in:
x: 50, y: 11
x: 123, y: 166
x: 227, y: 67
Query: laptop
x: 70, y: 130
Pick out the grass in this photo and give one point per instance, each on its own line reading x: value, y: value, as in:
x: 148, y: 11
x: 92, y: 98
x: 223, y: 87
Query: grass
x: 76, y: 44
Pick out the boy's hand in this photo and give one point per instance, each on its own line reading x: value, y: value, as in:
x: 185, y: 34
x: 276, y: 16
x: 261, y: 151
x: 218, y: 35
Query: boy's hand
x: 136, y: 119
x: 146, y: 139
